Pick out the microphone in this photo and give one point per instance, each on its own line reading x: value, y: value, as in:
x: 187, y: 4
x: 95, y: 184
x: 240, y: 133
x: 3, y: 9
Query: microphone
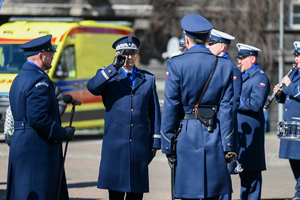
x: 69, y: 99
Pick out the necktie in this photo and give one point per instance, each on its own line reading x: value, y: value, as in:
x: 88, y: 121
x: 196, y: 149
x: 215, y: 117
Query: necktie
x: 129, y: 75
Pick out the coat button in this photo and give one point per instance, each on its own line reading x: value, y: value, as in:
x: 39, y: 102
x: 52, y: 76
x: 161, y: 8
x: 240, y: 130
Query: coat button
x: 167, y: 148
x: 109, y: 71
x: 287, y: 98
x: 228, y: 144
x: 132, y: 110
x: 131, y: 125
x: 130, y: 140
x: 285, y: 109
x: 22, y: 124
x: 132, y: 95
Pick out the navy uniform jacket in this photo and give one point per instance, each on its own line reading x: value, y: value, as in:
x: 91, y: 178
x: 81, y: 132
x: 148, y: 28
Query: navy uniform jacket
x: 201, y: 169
x: 35, y: 156
x: 131, y: 130
x: 251, y: 121
x: 237, y: 89
x: 291, y: 99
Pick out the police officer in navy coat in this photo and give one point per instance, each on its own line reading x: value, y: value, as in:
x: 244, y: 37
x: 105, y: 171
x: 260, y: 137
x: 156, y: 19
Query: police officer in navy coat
x: 218, y: 44
x: 132, y: 122
x: 35, y: 157
x: 290, y: 96
x: 201, y: 171
x: 250, y: 119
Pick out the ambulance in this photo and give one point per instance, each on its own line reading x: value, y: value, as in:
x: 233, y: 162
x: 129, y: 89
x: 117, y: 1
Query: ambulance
x: 82, y: 48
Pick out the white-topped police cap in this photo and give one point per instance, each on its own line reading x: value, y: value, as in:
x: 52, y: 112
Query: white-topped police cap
x: 196, y: 26
x: 129, y: 43
x: 247, y: 50
x: 38, y: 45
x: 297, y: 48
x: 220, y: 37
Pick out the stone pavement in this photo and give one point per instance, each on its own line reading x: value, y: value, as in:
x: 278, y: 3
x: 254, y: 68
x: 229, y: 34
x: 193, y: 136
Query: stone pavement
x: 82, y: 163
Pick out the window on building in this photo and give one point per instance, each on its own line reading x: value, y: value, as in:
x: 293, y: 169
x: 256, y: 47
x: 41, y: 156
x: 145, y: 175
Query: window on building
x: 292, y: 13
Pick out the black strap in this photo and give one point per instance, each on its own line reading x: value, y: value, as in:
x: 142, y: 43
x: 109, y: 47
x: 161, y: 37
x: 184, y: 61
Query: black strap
x: 208, y: 81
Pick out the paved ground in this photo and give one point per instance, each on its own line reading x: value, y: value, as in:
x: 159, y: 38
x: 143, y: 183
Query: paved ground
x: 83, y: 161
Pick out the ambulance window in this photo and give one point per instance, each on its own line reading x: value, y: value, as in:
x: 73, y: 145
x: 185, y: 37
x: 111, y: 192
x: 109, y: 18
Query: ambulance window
x: 12, y: 58
x: 66, y: 64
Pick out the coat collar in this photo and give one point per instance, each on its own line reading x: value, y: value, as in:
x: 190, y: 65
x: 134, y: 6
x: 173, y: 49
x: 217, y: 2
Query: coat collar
x: 293, y: 77
x: 198, y: 50
x: 251, y: 72
x: 31, y: 66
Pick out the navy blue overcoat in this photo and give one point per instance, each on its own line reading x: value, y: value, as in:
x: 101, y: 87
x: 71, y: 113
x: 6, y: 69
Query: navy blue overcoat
x: 251, y: 121
x: 131, y: 130
x: 201, y: 170
x: 35, y: 155
x: 291, y: 98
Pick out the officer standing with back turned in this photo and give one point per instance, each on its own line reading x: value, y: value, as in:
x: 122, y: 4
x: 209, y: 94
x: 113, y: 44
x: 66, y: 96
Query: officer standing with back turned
x: 35, y: 157
x: 206, y: 129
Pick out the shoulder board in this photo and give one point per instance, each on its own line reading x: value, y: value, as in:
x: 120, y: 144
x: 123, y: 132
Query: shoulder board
x: 261, y: 72
x: 145, y: 71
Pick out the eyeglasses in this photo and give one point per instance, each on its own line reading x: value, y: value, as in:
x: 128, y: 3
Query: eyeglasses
x: 132, y: 54
x: 241, y: 58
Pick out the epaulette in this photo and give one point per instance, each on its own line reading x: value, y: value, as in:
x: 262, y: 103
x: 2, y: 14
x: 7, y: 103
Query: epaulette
x: 145, y: 71
x: 261, y: 72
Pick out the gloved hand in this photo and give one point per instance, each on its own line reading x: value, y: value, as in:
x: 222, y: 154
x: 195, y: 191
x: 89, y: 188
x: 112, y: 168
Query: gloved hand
x: 119, y: 60
x: 70, y: 133
x: 230, y: 157
x: 171, y: 160
x: 152, y: 155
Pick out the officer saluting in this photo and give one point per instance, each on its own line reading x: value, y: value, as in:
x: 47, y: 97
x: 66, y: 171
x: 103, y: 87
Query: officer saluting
x: 250, y: 119
x: 132, y: 122
x: 35, y: 156
x: 201, y: 171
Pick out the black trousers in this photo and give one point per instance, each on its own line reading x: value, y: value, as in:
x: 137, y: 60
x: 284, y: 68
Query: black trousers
x: 116, y: 195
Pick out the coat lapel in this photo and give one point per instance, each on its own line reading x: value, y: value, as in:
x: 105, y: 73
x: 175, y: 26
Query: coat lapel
x: 123, y: 79
x: 139, y: 78
x: 294, y: 79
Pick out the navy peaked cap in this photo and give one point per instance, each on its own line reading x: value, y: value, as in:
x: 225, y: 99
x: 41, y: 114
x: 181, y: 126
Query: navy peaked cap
x: 196, y: 26
x: 297, y: 48
x: 128, y: 42
x: 38, y: 45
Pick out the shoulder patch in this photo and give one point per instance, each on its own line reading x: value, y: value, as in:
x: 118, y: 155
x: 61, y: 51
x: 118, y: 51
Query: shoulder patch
x: 262, y: 85
x: 42, y: 84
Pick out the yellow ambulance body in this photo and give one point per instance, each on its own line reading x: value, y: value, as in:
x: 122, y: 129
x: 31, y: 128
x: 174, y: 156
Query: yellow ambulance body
x: 82, y: 48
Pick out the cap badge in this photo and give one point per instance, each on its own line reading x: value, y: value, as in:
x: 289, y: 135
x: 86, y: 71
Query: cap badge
x: 129, y: 38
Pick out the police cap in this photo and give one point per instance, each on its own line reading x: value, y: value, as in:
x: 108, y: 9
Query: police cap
x: 196, y: 26
x: 38, y: 45
x: 297, y: 48
x: 220, y: 37
x: 129, y: 43
x: 246, y: 50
